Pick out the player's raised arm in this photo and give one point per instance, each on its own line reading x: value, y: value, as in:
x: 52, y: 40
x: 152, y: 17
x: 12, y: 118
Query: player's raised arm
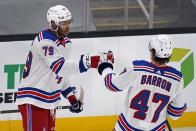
x: 58, y: 60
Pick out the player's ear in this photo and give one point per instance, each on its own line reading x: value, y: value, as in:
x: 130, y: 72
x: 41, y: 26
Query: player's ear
x: 53, y: 25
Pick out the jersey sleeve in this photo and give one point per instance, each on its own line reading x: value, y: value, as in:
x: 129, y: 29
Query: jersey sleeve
x: 118, y: 82
x: 67, y: 89
x: 69, y: 92
x: 178, y: 105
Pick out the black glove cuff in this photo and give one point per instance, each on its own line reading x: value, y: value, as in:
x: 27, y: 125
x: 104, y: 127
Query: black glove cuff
x: 77, y: 110
x: 75, y: 105
x: 104, y: 65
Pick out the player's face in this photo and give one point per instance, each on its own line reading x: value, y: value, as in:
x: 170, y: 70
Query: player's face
x: 64, y: 27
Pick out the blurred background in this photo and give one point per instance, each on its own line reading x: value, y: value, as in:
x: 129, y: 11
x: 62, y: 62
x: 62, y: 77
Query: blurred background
x: 29, y: 16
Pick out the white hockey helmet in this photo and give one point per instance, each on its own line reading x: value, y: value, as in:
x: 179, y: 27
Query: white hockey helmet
x: 162, y: 45
x: 58, y: 13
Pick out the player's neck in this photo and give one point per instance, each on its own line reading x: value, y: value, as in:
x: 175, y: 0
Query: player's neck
x: 56, y: 34
x: 158, y: 64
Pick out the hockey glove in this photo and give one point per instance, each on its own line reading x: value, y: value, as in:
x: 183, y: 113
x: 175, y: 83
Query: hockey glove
x: 77, y: 107
x: 87, y: 61
x: 106, y: 61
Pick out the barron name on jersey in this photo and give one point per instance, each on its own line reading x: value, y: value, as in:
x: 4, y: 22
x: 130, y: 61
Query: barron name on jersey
x: 156, y: 81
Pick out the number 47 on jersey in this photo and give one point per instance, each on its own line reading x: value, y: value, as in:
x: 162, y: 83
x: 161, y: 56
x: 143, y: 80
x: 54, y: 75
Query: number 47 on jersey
x: 140, y: 104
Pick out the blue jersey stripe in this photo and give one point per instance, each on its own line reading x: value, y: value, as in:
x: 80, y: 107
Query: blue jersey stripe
x: 38, y: 38
x: 127, y: 124
x: 172, y: 114
x: 133, y: 128
x: 177, y: 108
x: 53, y: 64
x: 156, y: 128
x: 46, y: 34
x: 59, y: 67
x: 110, y: 84
x: 144, y: 70
x: 67, y: 91
x: 121, y: 126
x: 38, y: 90
x: 40, y: 99
x: 141, y: 64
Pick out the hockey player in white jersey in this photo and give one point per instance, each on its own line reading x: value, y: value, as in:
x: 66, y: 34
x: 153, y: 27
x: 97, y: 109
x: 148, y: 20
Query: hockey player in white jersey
x: 155, y: 90
x: 46, y: 73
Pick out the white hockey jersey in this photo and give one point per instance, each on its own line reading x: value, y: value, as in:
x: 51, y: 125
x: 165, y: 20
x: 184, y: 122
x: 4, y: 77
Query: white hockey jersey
x: 153, y: 93
x: 46, y: 72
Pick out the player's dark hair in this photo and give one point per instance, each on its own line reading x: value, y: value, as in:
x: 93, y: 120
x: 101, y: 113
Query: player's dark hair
x: 159, y: 60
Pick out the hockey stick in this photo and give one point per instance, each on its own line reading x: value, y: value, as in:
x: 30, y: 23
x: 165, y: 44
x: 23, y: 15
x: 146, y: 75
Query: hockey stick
x: 168, y: 126
x: 9, y: 111
x: 81, y: 97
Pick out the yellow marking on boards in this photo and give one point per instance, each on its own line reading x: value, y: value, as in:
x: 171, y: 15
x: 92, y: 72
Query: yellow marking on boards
x: 95, y: 123
x: 119, y: 8
x: 188, y: 119
x: 133, y: 24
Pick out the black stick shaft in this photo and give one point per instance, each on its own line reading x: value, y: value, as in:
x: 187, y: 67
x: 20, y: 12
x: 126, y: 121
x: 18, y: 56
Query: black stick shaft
x: 169, y: 127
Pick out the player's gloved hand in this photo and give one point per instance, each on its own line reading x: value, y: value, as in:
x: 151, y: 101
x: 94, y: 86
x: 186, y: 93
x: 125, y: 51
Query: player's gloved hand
x: 89, y: 61
x: 106, y: 61
x: 76, y: 108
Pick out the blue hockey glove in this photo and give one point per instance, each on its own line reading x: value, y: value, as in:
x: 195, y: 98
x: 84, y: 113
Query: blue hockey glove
x: 77, y: 107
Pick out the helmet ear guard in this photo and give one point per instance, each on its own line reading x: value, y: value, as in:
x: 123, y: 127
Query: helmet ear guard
x: 58, y: 14
x: 162, y: 45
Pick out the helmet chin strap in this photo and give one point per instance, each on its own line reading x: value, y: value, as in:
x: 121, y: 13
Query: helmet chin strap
x: 60, y: 36
x: 55, y: 30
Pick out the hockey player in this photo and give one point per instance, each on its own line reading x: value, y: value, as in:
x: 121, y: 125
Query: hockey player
x: 46, y: 73
x: 155, y: 90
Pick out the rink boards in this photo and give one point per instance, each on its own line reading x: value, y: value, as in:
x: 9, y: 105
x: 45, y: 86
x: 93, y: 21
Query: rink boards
x: 95, y: 123
x: 100, y: 113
